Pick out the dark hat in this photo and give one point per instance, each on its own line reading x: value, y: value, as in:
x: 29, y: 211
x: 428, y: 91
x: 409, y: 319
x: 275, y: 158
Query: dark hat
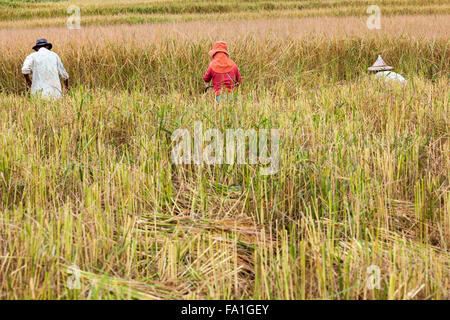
x: 42, y: 43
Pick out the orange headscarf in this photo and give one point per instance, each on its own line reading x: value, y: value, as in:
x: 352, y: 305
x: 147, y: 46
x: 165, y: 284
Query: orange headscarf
x: 221, y: 63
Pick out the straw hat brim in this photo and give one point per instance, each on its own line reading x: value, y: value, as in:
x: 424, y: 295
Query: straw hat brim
x: 383, y: 68
x: 213, y: 52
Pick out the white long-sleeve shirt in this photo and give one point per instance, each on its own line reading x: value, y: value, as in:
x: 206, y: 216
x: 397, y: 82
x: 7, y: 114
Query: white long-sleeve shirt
x: 390, y: 76
x: 46, y: 68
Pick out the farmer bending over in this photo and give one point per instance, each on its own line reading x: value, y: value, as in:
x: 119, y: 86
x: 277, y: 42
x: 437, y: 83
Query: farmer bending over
x: 382, y: 71
x: 45, y: 67
x: 223, y: 72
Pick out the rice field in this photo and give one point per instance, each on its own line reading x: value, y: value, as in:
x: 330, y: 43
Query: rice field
x: 20, y: 14
x: 93, y: 207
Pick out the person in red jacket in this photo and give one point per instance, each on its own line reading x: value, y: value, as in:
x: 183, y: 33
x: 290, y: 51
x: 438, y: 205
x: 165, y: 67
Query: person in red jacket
x: 222, y: 71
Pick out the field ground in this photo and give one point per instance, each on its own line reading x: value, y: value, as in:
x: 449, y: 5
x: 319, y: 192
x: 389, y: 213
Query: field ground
x: 87, y: 181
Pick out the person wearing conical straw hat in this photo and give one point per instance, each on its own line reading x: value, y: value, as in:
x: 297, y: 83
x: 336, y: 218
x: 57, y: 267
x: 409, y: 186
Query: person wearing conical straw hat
x: 45, y: 68
x: 383, y: 71
x: 222, y: 71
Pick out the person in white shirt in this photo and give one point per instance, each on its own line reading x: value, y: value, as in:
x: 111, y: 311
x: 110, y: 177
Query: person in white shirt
x: 382, y: 71
x: 45, y: 68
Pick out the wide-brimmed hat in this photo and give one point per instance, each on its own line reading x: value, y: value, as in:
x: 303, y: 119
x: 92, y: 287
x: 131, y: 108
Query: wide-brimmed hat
x: 380, y: 65
x: 219, y: 46
x: 42, y: 43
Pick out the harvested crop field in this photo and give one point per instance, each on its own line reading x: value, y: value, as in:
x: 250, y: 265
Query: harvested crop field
x: 87, y: 182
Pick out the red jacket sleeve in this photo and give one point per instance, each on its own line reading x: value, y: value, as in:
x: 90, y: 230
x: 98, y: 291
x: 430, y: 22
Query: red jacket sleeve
x: 238, y: 75
x: 208, y: 75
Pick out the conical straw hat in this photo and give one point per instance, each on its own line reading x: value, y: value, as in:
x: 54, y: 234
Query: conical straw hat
x: 380, y: 65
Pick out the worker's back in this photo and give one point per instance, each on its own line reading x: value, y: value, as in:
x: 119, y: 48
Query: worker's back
x: 390, y: 76
x: 46, y: 67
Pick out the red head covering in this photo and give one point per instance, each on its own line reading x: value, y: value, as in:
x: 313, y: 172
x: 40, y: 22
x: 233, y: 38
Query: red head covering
x: 220, y: 63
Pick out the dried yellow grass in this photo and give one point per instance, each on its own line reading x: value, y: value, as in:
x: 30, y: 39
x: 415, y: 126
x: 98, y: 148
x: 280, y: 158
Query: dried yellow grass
x: 420, y: 26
